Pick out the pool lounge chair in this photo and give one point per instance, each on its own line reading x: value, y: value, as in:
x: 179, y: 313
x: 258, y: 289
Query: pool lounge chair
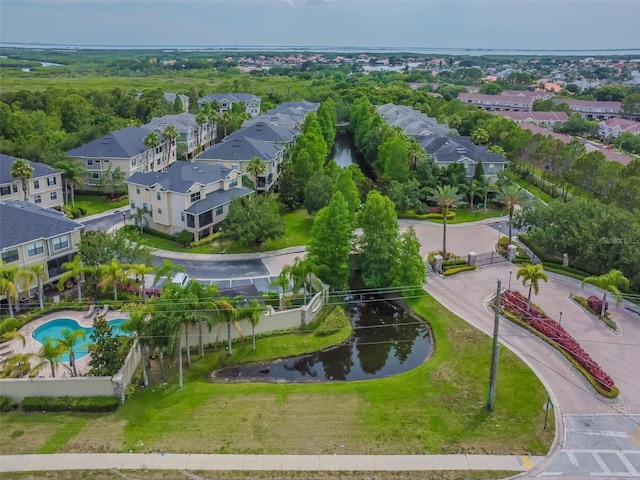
x: 89, y: 313
x: 104, y: 310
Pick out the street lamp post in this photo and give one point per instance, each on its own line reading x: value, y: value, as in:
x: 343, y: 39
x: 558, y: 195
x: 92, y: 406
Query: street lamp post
x: 560, y: 320
x: 220, y: 239
x: 124, y: 219
x: 499, y: 235
x: 510, y: 272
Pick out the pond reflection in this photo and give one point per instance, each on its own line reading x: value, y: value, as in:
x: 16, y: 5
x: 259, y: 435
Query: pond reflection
x: 386, y: 341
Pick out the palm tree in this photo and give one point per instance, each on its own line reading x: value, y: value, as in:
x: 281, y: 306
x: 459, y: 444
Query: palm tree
x: 485, y: 185
x: 73, y: 175
x: 166, y: 269
x: 74, y: 270
x: 531, y: 275
x: 171, y: 134
x: 69, y: 341
x: 39, y: 271
x: 140, y: 270
x: 8, y: 286
x: 472, y: 189
x: 252, y: 313
x: 112, y: 274
x: 201, y: 119
x: 613, y: 281
x: 511, y: 196
x: 23, y: 171
x: 12, y: 335
x: 138, y: 323
x: 446, y: 197
x: 416, y: 152
x: 51, y: 352
x: 256, y: 167
x: 152, y: 140
x: 225, y: 311
x: 16, y: 365
x: 111, y: 180
x: 139, y: 215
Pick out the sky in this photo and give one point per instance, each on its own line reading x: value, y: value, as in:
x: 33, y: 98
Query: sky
x: 513, y: 24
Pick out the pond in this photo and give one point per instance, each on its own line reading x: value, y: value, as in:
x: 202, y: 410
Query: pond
x: 386, y: 341
x: 345, y: 153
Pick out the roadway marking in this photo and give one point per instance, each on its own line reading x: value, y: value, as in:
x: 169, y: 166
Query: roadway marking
x: 601, y: 464
x: 526, y: 462
x: 635, y: 437
x: 603, y: 433
x: 573, y: 459
x: 625, y: 461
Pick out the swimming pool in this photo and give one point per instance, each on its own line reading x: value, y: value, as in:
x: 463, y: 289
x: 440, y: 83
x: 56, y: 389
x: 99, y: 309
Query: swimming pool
x: 52, y: 329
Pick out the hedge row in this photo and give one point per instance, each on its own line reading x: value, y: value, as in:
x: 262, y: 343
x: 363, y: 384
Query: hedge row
x: 73, y: 404
x: 6, y: 404
x: 453, y: 271
x: 412, y: 215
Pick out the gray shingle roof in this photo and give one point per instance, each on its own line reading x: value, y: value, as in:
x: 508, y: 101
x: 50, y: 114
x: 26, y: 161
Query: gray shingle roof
x: 125, y: 143
x: 182, y: 121
x: 241, y: 149
x: 35, y: 223
x: 412, y: 121
x: 451, y: 149
x: 263, y: 131
x: 181, y: 176
x: 229, y: 97
x: 6, y: 161
x: 217, y: 198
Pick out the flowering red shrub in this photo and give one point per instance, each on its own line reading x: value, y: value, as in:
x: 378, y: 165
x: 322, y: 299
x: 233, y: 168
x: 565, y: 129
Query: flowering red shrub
x: 595, y: 304
x: 516, y: 304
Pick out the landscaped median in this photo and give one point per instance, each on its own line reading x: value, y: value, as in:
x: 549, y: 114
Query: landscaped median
x: 514, y: 307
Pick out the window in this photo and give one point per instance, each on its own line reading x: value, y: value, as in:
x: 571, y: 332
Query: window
x: 159, y: 210
x: 182, y: 216
x: 95, y: 175
x: 233, y: 182
x: 195, y: 197
x: 36, y: 184
x: 37, y: 199
x: 133, y: 205
x: 54, y: 195
x: 60, y: 243
x: 6, y: 190
x: 144, y: 206
x: 15, y: 188
x: 51, y: 181
x: 10, y: 255
x: 89, y: 162
x: 138, y: 190
x: 35, y: 248
x: 235, y: 166
x: 220, y: 210
x: 491, y: 167
x: 158, y: 195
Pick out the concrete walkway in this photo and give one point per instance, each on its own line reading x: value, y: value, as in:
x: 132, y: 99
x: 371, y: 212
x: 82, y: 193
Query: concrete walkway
x: 160, y: 461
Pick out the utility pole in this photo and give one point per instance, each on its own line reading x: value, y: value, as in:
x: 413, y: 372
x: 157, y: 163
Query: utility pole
x: 494, y: 354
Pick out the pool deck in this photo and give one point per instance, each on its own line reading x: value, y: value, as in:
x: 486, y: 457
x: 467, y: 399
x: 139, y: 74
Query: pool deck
x: 33, y: 346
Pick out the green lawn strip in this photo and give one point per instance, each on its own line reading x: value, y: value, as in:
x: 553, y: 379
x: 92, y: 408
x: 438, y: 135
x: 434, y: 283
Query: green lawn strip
x: 544, y: 196
x: 464, y: 215
x: 38, y: 433
x: 98, y: 203
x: 259, y: 475
x: 297, y: 232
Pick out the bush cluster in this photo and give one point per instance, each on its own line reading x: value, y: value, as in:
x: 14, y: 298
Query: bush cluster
x: 453, y: 270
x: 70, y: 404
x: 74, y: 212
x: 6, y: 404
x: 412, y: 215
x: 205, y: 241
x: 516, y: 304
x: 595, y: 305
x: 334, y: 322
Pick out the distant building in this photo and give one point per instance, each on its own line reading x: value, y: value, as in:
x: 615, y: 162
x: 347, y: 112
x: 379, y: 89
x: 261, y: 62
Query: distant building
x: 412, y: 121
x: 125, y: 149
x: 44, y: 188
x: 591, y: 109
x: 506, y: 103
x: 227, y: 100
x: 609, y: 129
x: 171, y: 99
x: 193, y: 137
x: 543, y: 119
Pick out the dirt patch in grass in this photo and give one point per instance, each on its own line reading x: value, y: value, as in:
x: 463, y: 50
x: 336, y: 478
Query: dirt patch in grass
x: 258, y: 475
x: 30, y: 433
x: 99, y: 435
x: 265, y: 424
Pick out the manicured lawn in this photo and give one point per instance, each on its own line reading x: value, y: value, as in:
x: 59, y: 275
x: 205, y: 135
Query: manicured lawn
x: 438, y: 407
x: 98, y: 203
x: 464, y: 215
x: 544, y: 196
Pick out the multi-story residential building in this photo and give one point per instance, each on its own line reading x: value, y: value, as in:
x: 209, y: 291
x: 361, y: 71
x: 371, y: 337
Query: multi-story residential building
x: 288, y: 115
x: 532, y: 94
x: 187, y: 196
x: 448, y: 150
x: 613, y: 127
x: 171, y: 99
x: 543, y: 119
x: 193, y: 137
x: 227, y: 100
x: 506, y: 103
x: 592, y: 110
x: 31, y: 235
x: 237, y: 150
x: 44, y: 188
x: 124, y: 149
x: 412, y: 121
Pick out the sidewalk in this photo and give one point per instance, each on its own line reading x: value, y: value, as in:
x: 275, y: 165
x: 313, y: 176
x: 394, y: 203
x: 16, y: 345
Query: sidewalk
x: 161, y: 461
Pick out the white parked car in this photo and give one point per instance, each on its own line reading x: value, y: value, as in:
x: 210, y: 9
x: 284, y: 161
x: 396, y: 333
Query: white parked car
x: 180, y: 279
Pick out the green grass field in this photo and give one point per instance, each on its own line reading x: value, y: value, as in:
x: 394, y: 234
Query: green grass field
x: 438, y: 407
x: 98, y: 203
x: 464, y: 215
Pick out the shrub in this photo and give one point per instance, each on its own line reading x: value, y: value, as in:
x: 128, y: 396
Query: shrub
x: 411, y: 214
x: 334, y: 322
x: 156, y: 233
x: 595, y: 305
x: 66, y: 404
x: 9, y: 325
x: 6, y: 404
x: 184, y: 238
x: 453, y: 271
x: 205, y: 241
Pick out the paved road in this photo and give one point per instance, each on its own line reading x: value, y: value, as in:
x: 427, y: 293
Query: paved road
x: 105, y: 221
